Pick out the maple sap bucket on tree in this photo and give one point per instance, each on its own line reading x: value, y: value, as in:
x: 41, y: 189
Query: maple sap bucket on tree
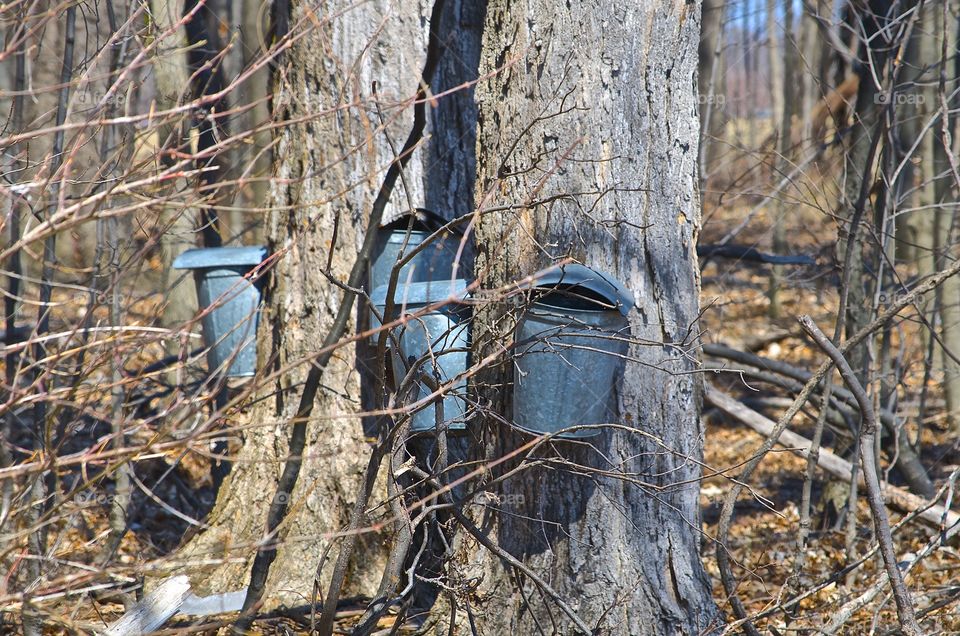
x: 230, y: 305
x: 571, y: 342
x: 439, y: 340
x: 434, y: 262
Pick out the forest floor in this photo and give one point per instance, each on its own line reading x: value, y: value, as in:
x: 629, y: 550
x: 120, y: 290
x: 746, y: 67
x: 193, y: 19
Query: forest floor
x: 764, y: 534
x: 763, y: 542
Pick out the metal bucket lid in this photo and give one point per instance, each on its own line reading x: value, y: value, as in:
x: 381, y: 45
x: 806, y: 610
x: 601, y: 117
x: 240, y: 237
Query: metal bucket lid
x: 424, y: 224
x: 210, y: 257
x: 400, y: 235
x: 424, y: 220
x: 425, y: 293
x: 574, y: 276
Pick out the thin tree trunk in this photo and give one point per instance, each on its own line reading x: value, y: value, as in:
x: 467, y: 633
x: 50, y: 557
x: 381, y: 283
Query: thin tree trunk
x: 176, y: 221
x: 923, y: 228
x: 209, y: 122
x: 15, y: 271
x: 749, y: 77
x: 108, y: 242
x: 947, y: 194
x: 809, y: 67
x: 856, y: 210
x: 590, y: 124
x: 251, y: 162
x: 45, y: 485
x: 776, y: 61
x: 787, y: 107
x: 827, y: 31
x: 711, y: 84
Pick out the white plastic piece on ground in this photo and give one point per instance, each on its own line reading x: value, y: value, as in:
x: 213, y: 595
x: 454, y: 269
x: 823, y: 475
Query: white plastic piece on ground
x: 173, y: 597
x: 154, y: 610
x: 214, y: 604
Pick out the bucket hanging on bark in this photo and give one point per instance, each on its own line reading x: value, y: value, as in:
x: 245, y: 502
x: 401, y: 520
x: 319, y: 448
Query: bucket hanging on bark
x: 434, y: 262
x: 230, y: 304
x: 571, y: 343
x: 436, y: 342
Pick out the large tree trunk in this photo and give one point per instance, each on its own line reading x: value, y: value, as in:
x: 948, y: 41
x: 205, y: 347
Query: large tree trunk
x: 329, y: 169
x: 590, y: 152
x: 327, y: 69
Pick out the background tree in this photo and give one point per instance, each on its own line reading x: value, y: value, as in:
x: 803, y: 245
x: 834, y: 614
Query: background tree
x: 711, y: 83
x: 783, y: 68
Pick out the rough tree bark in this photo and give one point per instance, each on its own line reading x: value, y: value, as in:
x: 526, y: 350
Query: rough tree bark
x: 589, y: 151
x: 328, y: 163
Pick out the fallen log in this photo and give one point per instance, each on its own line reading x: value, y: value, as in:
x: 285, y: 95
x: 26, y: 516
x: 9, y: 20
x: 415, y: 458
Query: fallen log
x: 749, y: 253
x: 947, y: 521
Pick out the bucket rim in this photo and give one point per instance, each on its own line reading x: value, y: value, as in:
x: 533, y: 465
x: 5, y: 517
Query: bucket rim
x: 214, y: 257
x: 585, y: 318
x: 575, y: 275
x: 424, y: 220
x: 422, y: 293
x: 578, y: 434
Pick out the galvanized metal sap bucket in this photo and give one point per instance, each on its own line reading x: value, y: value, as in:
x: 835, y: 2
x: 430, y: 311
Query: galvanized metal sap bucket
x: 570, y: 346
x: 443, y: 333
x: 230, y: 328
x: 434, y: 262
